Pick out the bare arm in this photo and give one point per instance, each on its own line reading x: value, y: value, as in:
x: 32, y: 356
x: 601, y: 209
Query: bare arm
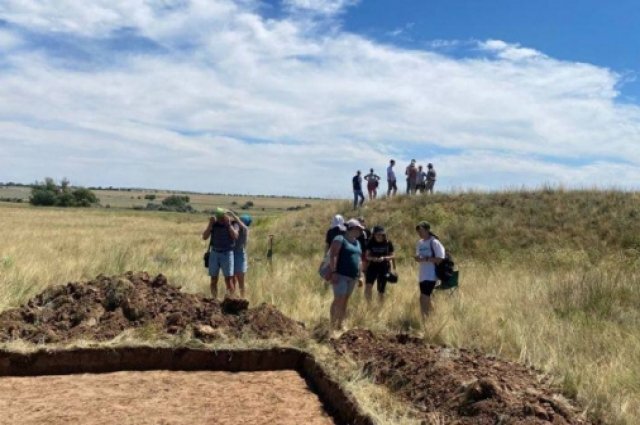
x: 233, y: 231
x: 237, y: 219
x: 207, y: 231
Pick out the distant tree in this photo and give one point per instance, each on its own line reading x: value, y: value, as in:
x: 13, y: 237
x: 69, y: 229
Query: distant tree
x: 84, y: 197
x: 175, y: 201
x: 43, y: 197
x: 150, y: 197
x: 48, y: 193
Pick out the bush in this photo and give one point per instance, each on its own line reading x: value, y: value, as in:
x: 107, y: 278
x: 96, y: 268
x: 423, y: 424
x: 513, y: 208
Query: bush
x: 175, y: 201
x: 50, y: 194
x: 43, y: 197
x: 150, y: 197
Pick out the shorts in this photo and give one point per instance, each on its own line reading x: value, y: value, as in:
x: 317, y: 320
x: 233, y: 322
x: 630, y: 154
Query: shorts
x: 378, y: 274
x: 430, y: 184
x: 426, y: 287
x: 344, y: 286
x: 392, y: 184
x: 221, y: 260
x: 240, y: 262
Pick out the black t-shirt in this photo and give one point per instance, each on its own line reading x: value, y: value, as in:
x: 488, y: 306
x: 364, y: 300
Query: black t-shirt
x: 364, y: 239
x: 357, y: 182
x: 332, y: 233
x: 379, y: 249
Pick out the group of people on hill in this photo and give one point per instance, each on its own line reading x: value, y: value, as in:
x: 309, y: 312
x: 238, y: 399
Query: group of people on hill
x: 354, y: 251
x: 228, y: 235
x: 418, y: 181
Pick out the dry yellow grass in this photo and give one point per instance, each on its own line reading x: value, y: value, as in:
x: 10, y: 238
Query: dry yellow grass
x: 563, y: 307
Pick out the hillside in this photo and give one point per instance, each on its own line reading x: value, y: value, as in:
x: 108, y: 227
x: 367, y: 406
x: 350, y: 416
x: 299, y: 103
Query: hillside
x: 491, y: 226
x: 548, y: 277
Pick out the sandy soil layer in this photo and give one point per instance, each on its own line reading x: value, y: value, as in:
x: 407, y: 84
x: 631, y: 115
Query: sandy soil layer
x: 161, y: 397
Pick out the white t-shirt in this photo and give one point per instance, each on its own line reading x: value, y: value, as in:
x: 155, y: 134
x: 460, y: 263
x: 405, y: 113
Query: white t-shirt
x: 391, y: 176
x: 429, y: 248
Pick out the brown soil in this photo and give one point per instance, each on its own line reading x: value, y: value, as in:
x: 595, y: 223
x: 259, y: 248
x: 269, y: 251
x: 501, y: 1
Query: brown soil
x: 102, y: 308
x: 457, y: 386
x: 161, y: 397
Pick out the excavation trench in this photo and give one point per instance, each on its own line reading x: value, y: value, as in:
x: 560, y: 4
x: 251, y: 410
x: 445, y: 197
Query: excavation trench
x: 38, y: 368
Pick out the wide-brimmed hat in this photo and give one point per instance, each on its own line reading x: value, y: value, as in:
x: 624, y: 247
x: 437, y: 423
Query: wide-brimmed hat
x: 354, y: 223
x: 337, y: 221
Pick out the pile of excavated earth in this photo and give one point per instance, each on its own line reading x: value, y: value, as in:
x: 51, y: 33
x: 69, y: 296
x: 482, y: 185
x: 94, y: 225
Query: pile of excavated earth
x: 462, y: 387
x: 103, y: 308
x: 442, y: 385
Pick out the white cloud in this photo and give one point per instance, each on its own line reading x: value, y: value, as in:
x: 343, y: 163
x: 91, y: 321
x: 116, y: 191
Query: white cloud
x: 238, y: 103
x: 323, y: 7
x: 8, y: 40
x: 509, y: 51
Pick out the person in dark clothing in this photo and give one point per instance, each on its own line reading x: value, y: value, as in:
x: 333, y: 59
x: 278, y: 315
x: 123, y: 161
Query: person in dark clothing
x: 357, y: 190
x: 363, y: 239
x: 381, y: 260
x: 337, y: 229
x: 223, y: 233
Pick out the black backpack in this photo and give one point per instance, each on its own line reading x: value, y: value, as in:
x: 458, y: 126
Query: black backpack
x: 445, y: 269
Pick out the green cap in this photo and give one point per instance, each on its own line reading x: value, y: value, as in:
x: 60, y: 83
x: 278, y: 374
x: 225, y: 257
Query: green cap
x: 424, y: 224
x: 219, y: 212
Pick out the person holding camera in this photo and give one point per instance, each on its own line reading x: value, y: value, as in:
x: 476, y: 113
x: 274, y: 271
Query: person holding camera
x: 240, y: 261
x: 223, y: 233
x: 381, y: 263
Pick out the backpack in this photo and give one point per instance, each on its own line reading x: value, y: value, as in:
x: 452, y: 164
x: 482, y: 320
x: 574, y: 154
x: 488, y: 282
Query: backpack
x: 325, y: 266
x: 445, y: 269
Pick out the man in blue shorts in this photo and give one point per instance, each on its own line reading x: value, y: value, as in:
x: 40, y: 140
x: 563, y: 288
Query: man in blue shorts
x: 223, y: 233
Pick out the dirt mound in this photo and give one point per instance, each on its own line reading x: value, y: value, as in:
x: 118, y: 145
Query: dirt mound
x: 102, y: 308
x: 457, y: 386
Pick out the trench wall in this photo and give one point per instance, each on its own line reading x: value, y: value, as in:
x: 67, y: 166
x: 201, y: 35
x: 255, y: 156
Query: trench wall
x: 337, y: 401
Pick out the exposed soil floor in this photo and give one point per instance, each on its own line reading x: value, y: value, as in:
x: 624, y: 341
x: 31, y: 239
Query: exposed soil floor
x: 461, y: 387
x: 104, y: 307
x: 161, y: 397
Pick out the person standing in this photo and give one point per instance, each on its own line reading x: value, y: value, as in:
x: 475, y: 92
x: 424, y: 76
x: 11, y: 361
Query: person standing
x: 410, y: 172
x: 363, y: 239
x: 345, y: 266
x: 223, y: 233
x: 372, y: 184
x: 337, y: 229
x: 380, y: 256
x: 431, y: 178
x: 240, y: 261
x: 357, y: 190
x: 392, y: 186
x: 429, y: 252
x: 421, y: 180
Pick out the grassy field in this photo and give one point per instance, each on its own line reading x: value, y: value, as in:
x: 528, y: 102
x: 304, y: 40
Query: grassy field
x: 263, y: 205
x: 549, y: 278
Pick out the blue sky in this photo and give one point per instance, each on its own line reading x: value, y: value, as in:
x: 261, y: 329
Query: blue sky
x: 591, y: 31
x: 292, y: 96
